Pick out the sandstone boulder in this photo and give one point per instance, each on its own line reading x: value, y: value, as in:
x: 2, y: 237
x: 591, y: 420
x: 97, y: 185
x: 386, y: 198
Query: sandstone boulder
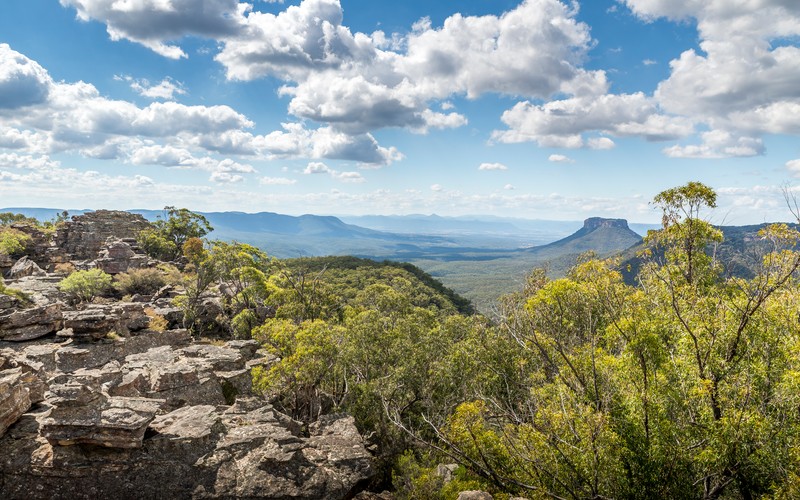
x: 18, y: 325
x: 25, y: 267
x: 118, y: 256
x: 82, y: 414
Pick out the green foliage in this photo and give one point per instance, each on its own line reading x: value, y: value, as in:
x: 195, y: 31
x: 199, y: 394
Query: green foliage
x: 684, y: 387
x: 139, y: 281
x: 13, y: 242
x: 18, y: 294
x: 8, y: 218
x: 166, y: 238
x: 83, y: 286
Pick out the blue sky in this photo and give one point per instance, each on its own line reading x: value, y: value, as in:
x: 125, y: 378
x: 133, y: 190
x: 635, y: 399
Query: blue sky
x: 535, y: 109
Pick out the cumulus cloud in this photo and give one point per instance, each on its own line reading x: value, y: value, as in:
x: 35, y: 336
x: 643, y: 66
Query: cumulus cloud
x: 563, y: 123
x: 555, y: 158
x: 492, y: 166
x: 793, y: 166
x: 224, y: 171
x: 718, y: 144
x: 600, y: 143
x: 156, y: 23
x: 320, y: 168
x: 23, y: 82
x: 27, y: 162
x: 297, y: 141
x: 358, y: 82
x: 740, y: 84
x: 165, y: 90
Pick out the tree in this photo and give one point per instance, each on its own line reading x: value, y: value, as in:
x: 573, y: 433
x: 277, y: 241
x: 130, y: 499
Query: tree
x: 685, y: 386
x: 168, y: 234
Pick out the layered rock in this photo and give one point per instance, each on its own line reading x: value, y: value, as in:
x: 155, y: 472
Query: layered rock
x: 82, y: 414
x: 96, y: 321
x: 18, y: 324
x: 119, y: 256
x: 25, y: 267
x: 155, y: 416
x: 14, y: 398
x: 84, y: 236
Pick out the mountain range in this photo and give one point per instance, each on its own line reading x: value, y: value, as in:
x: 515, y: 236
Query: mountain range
x: 480, y: 257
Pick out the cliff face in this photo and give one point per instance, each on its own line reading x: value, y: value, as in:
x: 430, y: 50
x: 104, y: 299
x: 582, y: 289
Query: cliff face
x: 593, y: 223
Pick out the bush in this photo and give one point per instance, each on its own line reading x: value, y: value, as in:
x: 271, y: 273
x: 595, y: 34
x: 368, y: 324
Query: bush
x: 19, y: 295
x: 13, y: 242
x: 140, y: 281
x: 86, y: 285
x: 158, y: 323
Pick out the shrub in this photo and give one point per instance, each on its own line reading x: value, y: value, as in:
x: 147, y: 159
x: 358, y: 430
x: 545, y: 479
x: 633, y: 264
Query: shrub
x: 13, y: 242
x: 140, y: 281
x: 86, y: 285
x: 19, y: 295
x: 65, y: 268
x: 158, y: 322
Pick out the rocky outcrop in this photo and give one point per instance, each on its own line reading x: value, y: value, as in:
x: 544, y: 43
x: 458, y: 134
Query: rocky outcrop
x: 84, y: 236
x: 18, y: 324
x: 40, y: 243
x: 83, y: 414
x: 14, y: 398
x: 25, y: 267
x: 119, y: 256
x: 96, y: 321
x: 156, y: 416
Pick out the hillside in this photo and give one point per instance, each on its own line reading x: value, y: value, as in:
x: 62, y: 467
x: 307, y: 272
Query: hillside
x: 737, y: 252
x: 484, y: 276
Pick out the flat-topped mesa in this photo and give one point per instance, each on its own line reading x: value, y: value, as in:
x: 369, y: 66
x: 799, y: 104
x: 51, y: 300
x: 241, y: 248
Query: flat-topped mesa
x: 593, y: 223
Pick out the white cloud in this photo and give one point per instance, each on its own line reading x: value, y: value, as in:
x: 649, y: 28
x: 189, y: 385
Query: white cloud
x: 354, y: 177
x: 508, y: 187
x: 320, y: 168
x: 718, y: 144
x: 649, y: 62
x: 165, y: 90
x: 437, y: 188
x: 27, y: 162
x: 492, y: 166
x: 316, y: 168
x: 225, y: 170
x: 555, y: 158
x: 740, y: 84
x: 154, y: 23
x: 562, y: 123
x: 23, y: 82
x: 793, y: 166
x: 600, y: 143
x: 276, y: 181
x: 358, y: 83
x: 296, y: 141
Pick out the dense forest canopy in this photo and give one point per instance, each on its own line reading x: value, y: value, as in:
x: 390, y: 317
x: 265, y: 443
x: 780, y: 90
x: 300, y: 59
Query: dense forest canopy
x: 681, y: 383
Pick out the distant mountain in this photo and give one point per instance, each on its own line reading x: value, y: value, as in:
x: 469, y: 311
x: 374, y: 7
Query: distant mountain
x: 602, y: 236
x: 480, y: 257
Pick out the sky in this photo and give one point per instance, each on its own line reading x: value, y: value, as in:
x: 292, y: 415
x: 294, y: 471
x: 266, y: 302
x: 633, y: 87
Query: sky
x: 540, y: 109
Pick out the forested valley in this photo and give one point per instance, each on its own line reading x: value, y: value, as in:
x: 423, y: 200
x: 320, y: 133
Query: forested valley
x: 684, y: 383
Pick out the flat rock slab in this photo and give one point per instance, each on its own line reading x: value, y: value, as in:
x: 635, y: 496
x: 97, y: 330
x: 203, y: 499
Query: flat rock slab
x: 82, y: 416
